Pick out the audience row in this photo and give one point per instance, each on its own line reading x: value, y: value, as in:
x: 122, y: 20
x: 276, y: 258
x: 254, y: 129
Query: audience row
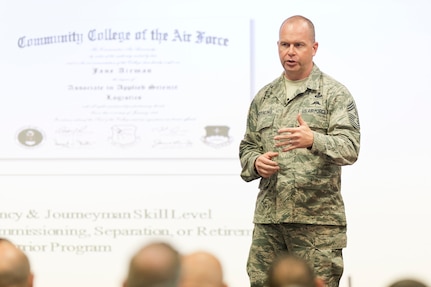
x: 159, y: 264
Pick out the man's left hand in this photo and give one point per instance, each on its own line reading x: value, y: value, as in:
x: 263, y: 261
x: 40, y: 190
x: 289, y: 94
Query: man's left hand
x: 291, y: 138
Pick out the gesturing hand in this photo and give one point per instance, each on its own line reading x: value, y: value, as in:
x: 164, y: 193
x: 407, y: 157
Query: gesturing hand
x: 265, y: 166
x: 291, y: 138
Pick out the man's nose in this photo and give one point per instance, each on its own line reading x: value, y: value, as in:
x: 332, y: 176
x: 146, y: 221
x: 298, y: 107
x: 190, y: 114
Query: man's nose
x: 291, y: 50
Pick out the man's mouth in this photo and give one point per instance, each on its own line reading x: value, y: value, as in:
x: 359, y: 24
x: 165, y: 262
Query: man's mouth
x: 290, y: 62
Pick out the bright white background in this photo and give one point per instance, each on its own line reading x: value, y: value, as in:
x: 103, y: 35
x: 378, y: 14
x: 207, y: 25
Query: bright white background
x: 378, y: 49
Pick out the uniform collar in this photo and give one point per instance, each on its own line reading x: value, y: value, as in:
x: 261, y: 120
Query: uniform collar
x: 312, y: 83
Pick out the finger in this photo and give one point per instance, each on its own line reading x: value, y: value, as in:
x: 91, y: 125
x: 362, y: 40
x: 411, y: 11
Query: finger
x: 268, y: 165
x: 291, y: 147
x: 283, y: 130
x: 263, y: 163
x: 280, y: 143
x: 301, y: 120
x: 271, y: 154
x: 267, y: 171
x: 286, y: 131
x: 268, y: 162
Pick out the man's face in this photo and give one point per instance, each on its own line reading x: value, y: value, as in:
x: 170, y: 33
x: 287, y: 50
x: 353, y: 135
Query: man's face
x: 296, y: 50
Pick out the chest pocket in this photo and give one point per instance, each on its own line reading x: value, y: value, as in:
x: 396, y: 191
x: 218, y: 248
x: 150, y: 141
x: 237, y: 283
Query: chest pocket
x: 264, y: 121
x: 266, y: 130
x: 315, y: 113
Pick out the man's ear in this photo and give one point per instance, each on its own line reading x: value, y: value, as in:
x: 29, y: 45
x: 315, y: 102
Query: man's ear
x: 320, y: 282
x: 30, y: 280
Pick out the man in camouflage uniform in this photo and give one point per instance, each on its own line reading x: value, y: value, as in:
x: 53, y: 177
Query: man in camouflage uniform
x: 301, y: 129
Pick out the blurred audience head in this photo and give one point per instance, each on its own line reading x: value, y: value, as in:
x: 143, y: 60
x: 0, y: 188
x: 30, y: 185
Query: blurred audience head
x: 156, y: 264
x: 201, y: 269
x: 288, y: 270
x: 407, y: 283
x: 15, y: 268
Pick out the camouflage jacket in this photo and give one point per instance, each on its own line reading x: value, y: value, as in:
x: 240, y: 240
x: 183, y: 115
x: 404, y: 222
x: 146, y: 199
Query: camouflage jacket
x: 306, y: 189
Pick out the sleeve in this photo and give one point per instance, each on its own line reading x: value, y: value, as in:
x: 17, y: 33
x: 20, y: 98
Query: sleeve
x: 341, y: 144
x: 250, y: 148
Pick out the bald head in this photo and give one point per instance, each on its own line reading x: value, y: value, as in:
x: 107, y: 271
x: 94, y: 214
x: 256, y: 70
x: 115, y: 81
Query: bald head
x: 299, y: 20
x: 14, y: 266
x: 156, y: 264
x: 201, y: 269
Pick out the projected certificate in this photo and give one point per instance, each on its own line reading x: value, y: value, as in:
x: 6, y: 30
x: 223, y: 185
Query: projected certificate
x: 129, y: 89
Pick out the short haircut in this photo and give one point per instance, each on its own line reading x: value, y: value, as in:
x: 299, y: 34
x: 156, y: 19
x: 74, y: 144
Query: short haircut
x: 166, y: 276
x: 308, y: 280
x: 304, y: 19
x: 18, y: 273
x: 408, y: 283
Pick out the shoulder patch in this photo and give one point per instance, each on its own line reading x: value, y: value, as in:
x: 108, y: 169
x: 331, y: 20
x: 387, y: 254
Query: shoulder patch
x: 353, y: 115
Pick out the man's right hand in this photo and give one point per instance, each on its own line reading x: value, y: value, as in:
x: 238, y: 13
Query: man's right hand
x: 265, y: 166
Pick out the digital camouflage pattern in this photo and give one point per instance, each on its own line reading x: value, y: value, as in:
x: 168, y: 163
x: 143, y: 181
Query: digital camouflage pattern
x: 319, y: 245
x: 300, y: 208
x: 307, y: 187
